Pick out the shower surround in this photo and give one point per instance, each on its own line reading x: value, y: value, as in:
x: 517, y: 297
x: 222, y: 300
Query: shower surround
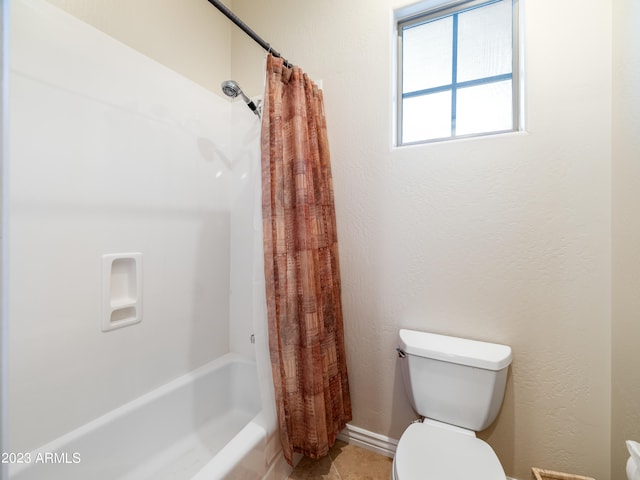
x: 111, y: 152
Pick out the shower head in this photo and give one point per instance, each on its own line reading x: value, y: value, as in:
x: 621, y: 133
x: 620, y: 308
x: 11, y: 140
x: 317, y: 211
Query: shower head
x: 231, y: 89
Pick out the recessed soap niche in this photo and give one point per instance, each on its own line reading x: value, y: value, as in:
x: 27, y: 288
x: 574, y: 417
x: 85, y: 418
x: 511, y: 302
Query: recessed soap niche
x: 121, y: 290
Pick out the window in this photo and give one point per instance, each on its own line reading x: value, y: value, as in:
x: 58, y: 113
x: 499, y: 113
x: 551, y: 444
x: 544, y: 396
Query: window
x: 458, y: 72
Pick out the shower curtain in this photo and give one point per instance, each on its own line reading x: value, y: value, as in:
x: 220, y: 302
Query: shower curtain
x: 304, y: 309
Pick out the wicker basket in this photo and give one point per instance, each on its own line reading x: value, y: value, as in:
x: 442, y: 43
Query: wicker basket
x: 549, y: 475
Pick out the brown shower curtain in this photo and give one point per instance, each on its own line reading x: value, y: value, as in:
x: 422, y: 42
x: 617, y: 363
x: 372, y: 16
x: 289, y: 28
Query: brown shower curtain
x: 306, y: 337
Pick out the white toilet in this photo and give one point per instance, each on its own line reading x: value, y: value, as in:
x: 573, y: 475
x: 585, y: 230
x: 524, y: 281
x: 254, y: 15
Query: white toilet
x: 458, y: 386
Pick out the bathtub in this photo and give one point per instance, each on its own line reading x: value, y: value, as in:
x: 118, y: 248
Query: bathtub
x: 208, y: 424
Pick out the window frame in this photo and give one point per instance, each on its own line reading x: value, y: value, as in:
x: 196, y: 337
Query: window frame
x: 443, y: 9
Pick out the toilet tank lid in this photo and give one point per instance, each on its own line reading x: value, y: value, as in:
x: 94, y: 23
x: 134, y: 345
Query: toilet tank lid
x: 489, y: 356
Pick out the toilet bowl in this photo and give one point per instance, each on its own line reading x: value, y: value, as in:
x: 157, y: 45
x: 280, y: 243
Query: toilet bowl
x: 428, y: 451
x: 457, y: 385
x: 633, y: 464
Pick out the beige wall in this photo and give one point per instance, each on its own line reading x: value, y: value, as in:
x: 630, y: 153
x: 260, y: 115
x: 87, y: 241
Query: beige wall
x: 504, y: 238
x: 625, y: 232
x: 188, y: 36
x: 4, y: 159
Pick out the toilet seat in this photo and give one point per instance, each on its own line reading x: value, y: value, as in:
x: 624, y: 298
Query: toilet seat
x: 430, y: 452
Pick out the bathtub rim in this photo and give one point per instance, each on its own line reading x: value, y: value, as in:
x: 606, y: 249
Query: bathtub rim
x: 59, y: 443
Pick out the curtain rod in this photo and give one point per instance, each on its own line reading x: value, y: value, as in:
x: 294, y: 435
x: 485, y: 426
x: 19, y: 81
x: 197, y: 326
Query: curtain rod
x: 245, y: 28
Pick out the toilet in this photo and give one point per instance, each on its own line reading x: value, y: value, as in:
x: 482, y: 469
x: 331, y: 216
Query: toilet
x: 457, y: 385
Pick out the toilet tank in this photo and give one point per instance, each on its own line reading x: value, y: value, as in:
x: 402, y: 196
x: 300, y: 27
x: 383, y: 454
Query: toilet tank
x: 454, y: 380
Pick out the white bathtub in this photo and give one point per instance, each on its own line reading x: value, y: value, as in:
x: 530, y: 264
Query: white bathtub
x: 205, y: 425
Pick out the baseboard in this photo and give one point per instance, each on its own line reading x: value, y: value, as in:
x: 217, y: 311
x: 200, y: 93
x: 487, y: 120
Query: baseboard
x: 371, y: 441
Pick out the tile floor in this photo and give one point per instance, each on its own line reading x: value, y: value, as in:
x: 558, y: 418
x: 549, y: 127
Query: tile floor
x: 345, y: 462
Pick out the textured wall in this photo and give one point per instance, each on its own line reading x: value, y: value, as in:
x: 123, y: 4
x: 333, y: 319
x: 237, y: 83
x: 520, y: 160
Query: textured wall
x: 626, y: 233
x: 188, y: 36
x: 4, y: 159
x: 501, y: 238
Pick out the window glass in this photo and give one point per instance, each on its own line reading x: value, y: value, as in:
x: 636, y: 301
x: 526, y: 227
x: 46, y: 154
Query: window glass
x: 427, y: 116
x: 484, y: 42
x: 484, y: 108
x: 428, y: 54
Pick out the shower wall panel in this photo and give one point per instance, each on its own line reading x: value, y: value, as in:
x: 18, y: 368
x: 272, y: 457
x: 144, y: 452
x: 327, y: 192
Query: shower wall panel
x: 110, y: 152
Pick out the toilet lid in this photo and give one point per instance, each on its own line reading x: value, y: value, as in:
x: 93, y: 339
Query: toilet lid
x: 434, y: 453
